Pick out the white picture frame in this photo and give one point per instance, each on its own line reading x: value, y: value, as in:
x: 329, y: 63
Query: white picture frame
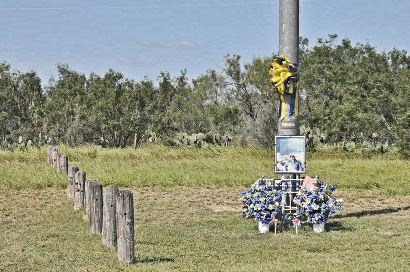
x: 290, y: 155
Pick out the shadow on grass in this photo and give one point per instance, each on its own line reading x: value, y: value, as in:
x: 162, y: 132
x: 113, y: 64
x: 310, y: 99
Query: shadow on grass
x: 336, y: 226
x: 372, y: 212
x: 329, y: 226
x: 154, y: 260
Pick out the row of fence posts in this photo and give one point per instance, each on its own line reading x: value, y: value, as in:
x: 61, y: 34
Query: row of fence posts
x: 109, y: 211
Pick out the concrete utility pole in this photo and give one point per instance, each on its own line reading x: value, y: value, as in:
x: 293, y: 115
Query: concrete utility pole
x: 289, y: 47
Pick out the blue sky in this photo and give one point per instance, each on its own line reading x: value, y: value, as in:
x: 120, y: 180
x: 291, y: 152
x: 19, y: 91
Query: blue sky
x: 141, y: 38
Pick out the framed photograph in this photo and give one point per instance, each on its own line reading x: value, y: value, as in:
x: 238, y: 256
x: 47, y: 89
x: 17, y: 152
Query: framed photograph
x: 290, y: 155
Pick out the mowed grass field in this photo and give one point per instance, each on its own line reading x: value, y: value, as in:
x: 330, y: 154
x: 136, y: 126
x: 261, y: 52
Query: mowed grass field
x: 187, y: 209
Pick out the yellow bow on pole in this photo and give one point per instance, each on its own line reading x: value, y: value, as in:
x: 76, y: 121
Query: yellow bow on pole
x: 281, y: 70
x: 283, y: 75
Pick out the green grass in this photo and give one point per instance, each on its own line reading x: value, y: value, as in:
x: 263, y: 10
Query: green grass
x: 186, y: 229
x: 214, y: 167
x: 188, y: 213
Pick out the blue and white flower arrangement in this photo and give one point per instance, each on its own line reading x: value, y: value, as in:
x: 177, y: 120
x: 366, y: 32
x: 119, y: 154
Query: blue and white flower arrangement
x: 262, y: 201
x: 317, y: 203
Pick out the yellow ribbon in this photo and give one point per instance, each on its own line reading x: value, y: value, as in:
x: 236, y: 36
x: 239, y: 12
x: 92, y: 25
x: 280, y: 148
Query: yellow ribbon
x: 282, y: 107
x: 280, y: 72
x: 282, y: 69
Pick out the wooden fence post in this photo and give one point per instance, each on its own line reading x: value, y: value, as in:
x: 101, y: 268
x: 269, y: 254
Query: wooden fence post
x: 57, y: 164
x: 54, y: 157
x: 125, y: 227
x: 50, y: 150
x: 109, y: 228
x: 63, y: 164
x: 70, y: 181
x: 135, y: 141
x: 59, y: 160
x: 87, y: 196
x: 79, y: 178
x: 96, y: 207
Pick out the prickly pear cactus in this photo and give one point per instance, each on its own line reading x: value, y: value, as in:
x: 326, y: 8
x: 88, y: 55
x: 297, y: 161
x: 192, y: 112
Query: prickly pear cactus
x: 349, y: 146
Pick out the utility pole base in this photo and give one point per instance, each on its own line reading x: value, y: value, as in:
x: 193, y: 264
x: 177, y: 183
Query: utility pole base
x: 288, y: 127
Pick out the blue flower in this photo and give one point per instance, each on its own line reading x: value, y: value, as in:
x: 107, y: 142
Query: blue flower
x: 324, y: 207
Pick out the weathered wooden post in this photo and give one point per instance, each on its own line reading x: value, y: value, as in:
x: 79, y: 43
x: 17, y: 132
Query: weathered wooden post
x: 96, y: 207
x: 109, y: 228
x: 79, y: 178
x: 54, y: 157
x: 125, y: 227
x: 57, y: 165
x: 59, y: 159
x: 72, y: 170
x: 50, y: 150
x: 63, y: 164
x: 135, y: 141
x: 87, y: 197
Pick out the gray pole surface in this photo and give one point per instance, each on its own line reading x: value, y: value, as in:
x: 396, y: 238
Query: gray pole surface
x: 289, y: 47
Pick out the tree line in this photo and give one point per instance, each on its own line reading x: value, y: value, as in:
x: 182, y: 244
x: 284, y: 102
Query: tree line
x: 350, y: 93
